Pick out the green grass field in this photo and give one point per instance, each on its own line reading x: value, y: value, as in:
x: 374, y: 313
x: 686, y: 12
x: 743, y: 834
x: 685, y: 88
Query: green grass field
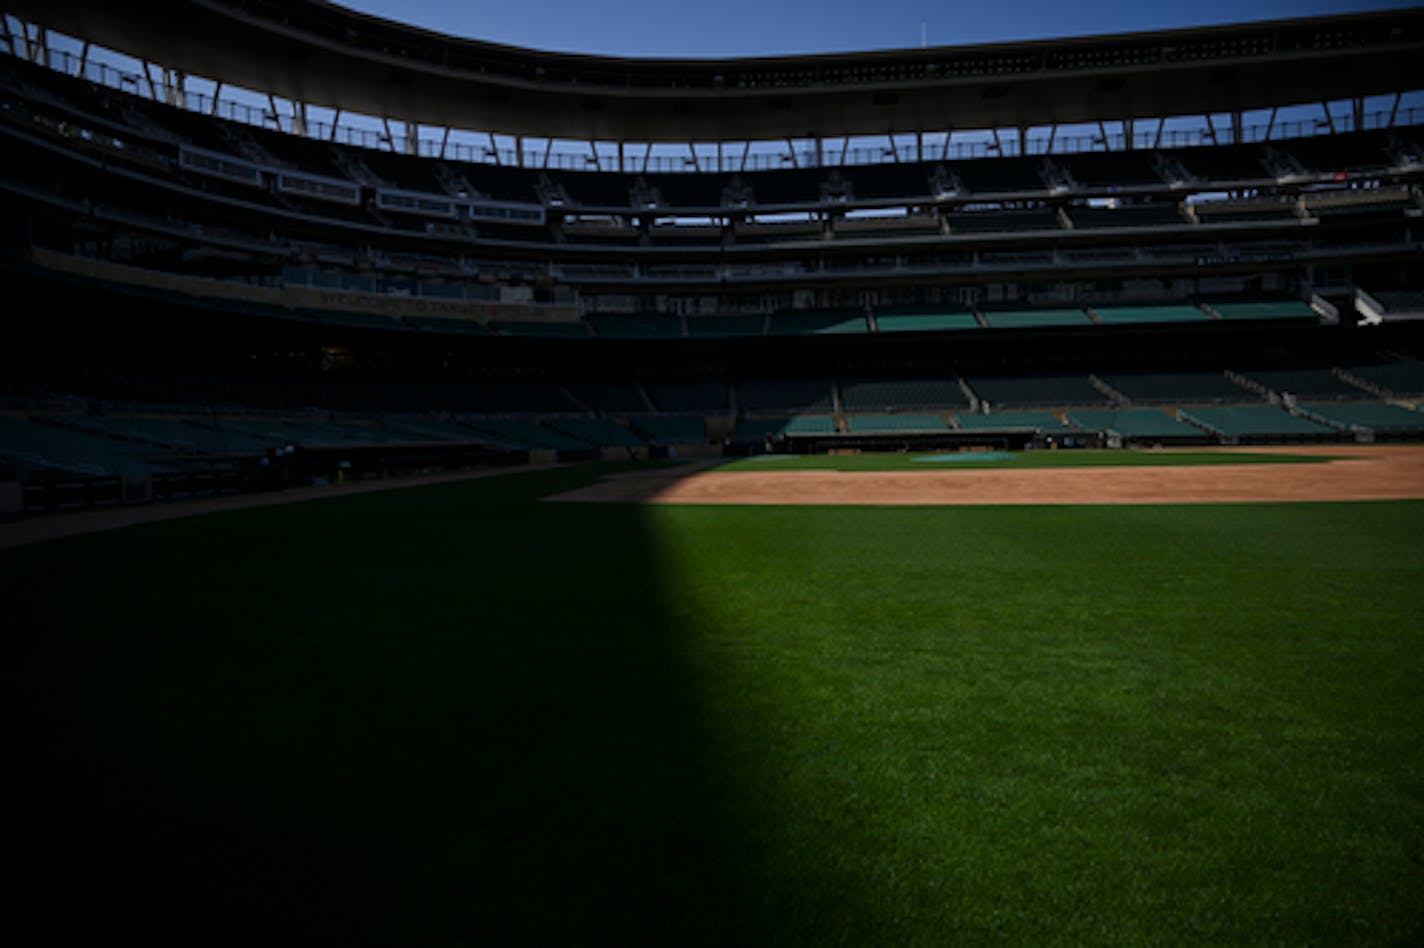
x: 456, y: 715
x: 968, y: 460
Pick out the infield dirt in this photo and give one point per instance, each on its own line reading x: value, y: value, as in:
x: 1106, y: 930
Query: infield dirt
x: 1355, y: 472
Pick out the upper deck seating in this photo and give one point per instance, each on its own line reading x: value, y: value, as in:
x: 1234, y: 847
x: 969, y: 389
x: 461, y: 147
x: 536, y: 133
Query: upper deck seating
x: 1111, y: 170
x: 1000, y: 175
x: 597, y: 189
x: 1220, y: 163
x: 988, y: 222
x: 1129, y: 215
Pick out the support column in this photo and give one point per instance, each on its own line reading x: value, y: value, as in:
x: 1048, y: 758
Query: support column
x: 445, y: 141
x: 335, y: 121
x: 792, y: 147
x: 1329, y: 117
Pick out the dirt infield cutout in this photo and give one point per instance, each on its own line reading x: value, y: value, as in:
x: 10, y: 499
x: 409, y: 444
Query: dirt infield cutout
x: 1355, y: 472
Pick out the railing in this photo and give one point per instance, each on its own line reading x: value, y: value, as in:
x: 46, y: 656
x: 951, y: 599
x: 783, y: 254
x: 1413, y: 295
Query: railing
x: 760, y: 156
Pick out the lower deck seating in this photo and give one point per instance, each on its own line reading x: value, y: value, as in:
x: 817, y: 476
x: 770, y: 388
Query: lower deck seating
x: 46, y: 443
x: 1164, y: 313
x: 902, y: 394
x: 708, y: 398
x: 1010, y: 421
x: 1132, y: 422
x: 816, y: 323
x: 1263, y: 309
x: 1306, y: 383
x: 925, y: 322
x: 792, y: 395
x: 598, y: 431
x: 1180, y: 387
x: 541, y: 330
x: 525, y: 434
x: 1036, y: 318
x: 757, y: 430
x: 609, y: 397
x: 1376, y: 416
x: 617, y: 326
x: 664, y: 430
x: 723, y: 326
x: 1394, y: 377
x: 811, y: 425
x: 1031, y: 390
x: 895, y: 424
x: 1251, y: 420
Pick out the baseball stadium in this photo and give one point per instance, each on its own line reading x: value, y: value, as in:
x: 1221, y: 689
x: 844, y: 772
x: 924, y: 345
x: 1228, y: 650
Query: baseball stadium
x: 464, y: 493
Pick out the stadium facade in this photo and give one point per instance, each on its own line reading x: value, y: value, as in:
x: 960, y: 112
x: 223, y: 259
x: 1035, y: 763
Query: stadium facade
x: 253, y: 229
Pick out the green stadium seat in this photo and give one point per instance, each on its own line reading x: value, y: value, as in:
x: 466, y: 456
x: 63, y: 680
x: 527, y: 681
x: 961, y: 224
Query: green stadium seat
x: 1010, y: 421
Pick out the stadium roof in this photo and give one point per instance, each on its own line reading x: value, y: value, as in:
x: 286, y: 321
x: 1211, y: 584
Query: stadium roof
x: 323, y: 54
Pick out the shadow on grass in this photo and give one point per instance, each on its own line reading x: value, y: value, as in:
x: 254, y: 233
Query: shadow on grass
x: 441, y: 716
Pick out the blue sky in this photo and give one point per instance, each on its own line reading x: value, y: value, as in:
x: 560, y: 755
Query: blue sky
x: 760, y: 28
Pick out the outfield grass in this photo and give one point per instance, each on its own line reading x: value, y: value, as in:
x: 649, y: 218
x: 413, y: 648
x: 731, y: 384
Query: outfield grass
x: 456, y: 715
x: 968, y: 460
